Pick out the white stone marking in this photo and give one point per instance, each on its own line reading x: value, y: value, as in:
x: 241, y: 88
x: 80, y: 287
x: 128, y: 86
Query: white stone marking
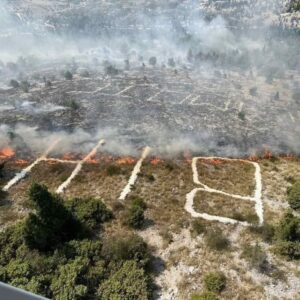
x: 78, y: 167
x: 25, y: 171
x: 256, y: 198
x: 134, y: 174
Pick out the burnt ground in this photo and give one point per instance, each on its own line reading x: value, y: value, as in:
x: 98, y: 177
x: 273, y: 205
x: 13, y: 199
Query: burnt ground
x: 225, y: 112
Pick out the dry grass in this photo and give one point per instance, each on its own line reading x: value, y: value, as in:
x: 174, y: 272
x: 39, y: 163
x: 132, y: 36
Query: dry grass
x: 229, y: 176
x: 165, y: 195
x: 164, y: 187
x: 224, y: 206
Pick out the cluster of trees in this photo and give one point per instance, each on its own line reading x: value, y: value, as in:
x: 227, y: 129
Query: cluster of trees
x: 57, y: 252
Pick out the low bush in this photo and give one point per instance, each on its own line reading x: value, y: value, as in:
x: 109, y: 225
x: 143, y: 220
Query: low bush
x: 216, y: 240
x: 294, y: 195
x: 256, y: 258
x: 126, y: 247
x: 134, y: 216
x: 215, y: 282
x: 112, y: 170
x: 198, y: 227
x: 127, y: 283
x: 68, y: 75
x: 91, y: 212
x: 14, y: 83
x: 291, y: 250
x: 266, y: 231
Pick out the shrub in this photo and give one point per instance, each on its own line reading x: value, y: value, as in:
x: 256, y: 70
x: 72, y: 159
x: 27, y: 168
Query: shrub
x: 112, y: 170
x: 204, y: 296
x: 198, y: 226
x: 111, y: 70
x: 85, y: 248
x: 255, y: 257
x: 128, y: 247
x: 217, y: 241
x: 215, y: 282
x: 152, y: 61
x: 134, y: 216
x: 25, y: 86
x: 150, y: 177
x: 253, y: 91
x: 68, y: 284
x: 52, y: 224
x: 91, y: 212
x: 288, y: 236
x: 139, y: 202
x: 14, y: 83
x: 68, y: 75
x: 289, y: 228
x: 242, y: 115
x: 266, y: 231
x: 72, y: 104
x: 128, y: 283
x: 294, y: 195
x: 288, y: 249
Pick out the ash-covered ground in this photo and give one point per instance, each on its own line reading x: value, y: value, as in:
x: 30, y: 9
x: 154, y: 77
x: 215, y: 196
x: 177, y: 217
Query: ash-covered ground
x: 210, y: 77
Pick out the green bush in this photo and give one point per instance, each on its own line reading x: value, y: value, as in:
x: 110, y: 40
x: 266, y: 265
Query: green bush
x: 128, y: 247
x: 139, y: 202
x: 288, y: 236
x: 73, y: 269
x: 215, y: 282
x: 85, y: 248
x: 242, y: 115
x: 204, y: 296
x: 128, y: 283
x: 289, y: 249
x: 216, y: 240
x: 52, y: 224
x: 288, y: 228
x: 91, y: 212
x: 134, y: 216
x: 68, y: 284
x: 294, y: 195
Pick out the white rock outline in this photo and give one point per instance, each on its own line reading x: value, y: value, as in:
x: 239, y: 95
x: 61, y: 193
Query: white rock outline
x: 135, y: 172
x: 189, y: 205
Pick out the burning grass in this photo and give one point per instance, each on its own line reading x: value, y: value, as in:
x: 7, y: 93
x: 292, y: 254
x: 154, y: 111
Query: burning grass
x: 233, y: 177
x: 224, y: 206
